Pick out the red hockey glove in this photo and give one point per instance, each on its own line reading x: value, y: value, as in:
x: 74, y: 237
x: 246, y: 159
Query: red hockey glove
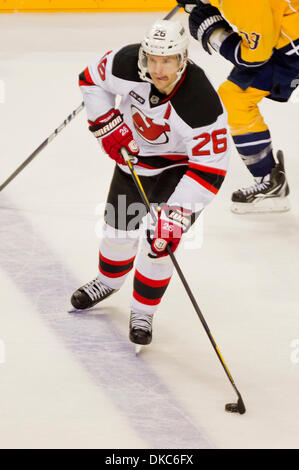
x: 172, y: 223
x: 114, y: 135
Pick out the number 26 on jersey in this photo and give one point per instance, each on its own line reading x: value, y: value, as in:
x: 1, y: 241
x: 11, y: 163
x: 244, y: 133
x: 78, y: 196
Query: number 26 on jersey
x: 217, y: 138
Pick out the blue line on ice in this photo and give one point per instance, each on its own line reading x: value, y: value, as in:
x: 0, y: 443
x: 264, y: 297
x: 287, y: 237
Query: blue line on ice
x: 108, y: 357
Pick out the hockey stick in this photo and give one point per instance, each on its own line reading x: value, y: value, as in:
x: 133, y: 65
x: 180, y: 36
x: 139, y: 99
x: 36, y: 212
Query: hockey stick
x: 172, y: 12
x: 232, y: 407
x: 42, y: 146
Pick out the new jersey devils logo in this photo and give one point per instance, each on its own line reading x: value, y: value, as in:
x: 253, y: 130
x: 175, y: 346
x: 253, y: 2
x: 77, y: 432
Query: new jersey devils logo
x: 148, y: 129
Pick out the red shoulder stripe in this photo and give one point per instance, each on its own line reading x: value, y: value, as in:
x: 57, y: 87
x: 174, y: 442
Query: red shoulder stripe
x: 85, y: 78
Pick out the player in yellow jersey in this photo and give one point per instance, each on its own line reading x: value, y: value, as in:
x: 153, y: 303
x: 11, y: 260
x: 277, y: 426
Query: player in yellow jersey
x: 261, y: 39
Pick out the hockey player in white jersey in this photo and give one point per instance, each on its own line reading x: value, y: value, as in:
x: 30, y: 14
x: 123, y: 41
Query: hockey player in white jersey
x: 172, y: 120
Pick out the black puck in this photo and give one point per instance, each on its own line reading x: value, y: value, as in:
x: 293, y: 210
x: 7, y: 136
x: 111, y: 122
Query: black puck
x: 231, y: 407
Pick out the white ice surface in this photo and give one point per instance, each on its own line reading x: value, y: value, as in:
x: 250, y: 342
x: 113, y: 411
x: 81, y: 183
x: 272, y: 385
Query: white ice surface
x: 245, y: 277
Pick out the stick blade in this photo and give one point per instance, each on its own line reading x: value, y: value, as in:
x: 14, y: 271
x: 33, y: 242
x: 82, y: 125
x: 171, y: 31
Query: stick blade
x: 241, y: 406
x: 238, y: 407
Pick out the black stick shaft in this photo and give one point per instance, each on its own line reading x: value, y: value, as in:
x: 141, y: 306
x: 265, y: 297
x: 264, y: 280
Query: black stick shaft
x: 172, y: 12
x: 42, y: 146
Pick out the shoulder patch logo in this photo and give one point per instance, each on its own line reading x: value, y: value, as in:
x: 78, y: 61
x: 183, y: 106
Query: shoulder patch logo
x: 137, y: 97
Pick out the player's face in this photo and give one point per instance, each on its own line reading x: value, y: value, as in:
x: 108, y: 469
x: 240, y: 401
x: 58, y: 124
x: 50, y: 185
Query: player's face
x: 163, y: 71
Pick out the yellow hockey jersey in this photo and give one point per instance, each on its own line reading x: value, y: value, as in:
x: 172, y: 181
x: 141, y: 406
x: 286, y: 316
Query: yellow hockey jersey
x: 262, y: 24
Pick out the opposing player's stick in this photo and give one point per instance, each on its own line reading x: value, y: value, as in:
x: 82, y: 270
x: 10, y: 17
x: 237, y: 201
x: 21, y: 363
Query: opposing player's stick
x: 232, y: 407
x: 172, y: 12
x: 42, y: 146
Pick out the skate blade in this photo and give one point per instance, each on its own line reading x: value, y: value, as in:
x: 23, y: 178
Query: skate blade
x: 271, y: 204
x: 138, y: 349
x: 75, y: 310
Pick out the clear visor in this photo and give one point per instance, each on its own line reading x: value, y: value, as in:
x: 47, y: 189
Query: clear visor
x: 143, y: 60
x: 145, y: 55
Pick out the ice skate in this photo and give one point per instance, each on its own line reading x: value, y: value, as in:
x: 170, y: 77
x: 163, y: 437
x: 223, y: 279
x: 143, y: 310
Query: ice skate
x: 90, y: 294
x: 141, y: 328
x: 268, y: 195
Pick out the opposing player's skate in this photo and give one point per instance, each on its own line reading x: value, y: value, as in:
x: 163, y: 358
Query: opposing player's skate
x: 268, y: 195
x: 141, y: 328
x: 90, y: 294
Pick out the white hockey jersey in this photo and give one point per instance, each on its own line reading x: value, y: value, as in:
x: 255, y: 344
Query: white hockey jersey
x: 187, y: 127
